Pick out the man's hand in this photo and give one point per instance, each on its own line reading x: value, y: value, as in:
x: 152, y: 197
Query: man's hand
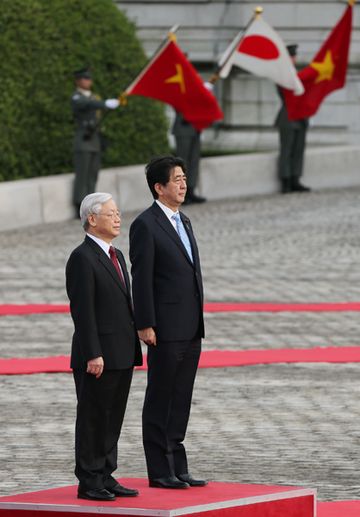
x: 148, y: 336
x: 95, y: 366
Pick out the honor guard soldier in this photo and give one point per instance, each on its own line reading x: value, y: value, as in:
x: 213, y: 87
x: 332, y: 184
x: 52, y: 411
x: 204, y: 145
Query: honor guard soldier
x: 87, y: 109
x: 292, y: 138
x: 188, y: 147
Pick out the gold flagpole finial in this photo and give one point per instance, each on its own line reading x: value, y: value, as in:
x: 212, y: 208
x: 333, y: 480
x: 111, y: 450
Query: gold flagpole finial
x: 214, y: 78
x: 351, y: 2
x: 258, y: 11
x: 123, y: 99
x: 171, y: 34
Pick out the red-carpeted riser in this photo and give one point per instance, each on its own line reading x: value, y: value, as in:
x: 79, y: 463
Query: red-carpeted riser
x: 20, y: 310
x: 215, y: 500
x: 208, y: 359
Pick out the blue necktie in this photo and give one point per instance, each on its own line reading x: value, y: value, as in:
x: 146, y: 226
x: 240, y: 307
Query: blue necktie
x: 182, y: 234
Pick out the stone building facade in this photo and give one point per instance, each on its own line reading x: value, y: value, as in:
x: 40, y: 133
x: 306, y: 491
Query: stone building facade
x: 250, y: 104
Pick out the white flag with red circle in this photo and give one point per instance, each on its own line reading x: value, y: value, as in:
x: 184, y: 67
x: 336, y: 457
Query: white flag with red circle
x: 261, y: 51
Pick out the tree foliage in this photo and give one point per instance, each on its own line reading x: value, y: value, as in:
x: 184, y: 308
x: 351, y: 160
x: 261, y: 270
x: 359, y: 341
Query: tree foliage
x: 41, y: 43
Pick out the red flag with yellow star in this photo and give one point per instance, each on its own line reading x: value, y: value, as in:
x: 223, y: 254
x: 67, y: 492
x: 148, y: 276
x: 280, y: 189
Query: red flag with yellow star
x: 171, y: 78
x: 326, y: 73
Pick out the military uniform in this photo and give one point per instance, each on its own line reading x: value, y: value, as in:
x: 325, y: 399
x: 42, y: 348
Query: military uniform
x: 188, y: 147
x: 87, y: 145
x: 292, y: 140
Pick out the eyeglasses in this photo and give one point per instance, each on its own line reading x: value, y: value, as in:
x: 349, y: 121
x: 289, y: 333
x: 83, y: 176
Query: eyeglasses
x: 111, y: 215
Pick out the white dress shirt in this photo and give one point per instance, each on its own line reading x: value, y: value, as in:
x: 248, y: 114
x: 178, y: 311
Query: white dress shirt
x: 168, y: 212
x: 105, y: 246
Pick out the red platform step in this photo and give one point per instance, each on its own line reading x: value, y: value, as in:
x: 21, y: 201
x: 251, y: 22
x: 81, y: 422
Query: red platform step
x: 214, y: 500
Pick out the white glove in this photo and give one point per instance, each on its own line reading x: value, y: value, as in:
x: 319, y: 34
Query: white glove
x: 209, y: 86
x: 112, y: 103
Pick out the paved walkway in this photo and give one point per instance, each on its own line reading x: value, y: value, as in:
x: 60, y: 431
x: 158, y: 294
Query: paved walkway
x: 286, y: 424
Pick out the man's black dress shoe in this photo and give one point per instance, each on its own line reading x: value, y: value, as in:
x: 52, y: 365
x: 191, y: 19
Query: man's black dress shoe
x: 187, y: 478
x: 96, y: 494
x: 170, y: 482
x: 121, y: 491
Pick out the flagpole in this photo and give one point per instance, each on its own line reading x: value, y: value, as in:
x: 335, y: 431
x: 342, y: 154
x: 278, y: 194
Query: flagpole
x: 236, y: 41
x: 170, y: 37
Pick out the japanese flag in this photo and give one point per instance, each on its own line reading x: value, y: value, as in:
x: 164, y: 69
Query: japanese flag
x: 261, y: 51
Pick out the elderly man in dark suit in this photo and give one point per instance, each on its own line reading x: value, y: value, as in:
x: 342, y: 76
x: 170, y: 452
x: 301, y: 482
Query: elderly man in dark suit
x: 168, y: 305
x: 105, y: 347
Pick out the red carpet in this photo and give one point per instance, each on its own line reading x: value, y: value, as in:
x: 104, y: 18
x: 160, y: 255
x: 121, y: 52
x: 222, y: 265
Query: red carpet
x: 282, y: 307
x: 22, y: 309
x: 209, y: 359
x: 339, y: 509
x: 33, y: 308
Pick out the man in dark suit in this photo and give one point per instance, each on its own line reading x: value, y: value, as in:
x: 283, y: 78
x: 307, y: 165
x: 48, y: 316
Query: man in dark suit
x: 292, y: 139
x: 168, y: 306
x: 105, y: 347
x: 87, y: 109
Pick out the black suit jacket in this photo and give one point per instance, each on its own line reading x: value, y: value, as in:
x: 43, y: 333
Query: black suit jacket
x: 101, y: 309
x: 167, y: 287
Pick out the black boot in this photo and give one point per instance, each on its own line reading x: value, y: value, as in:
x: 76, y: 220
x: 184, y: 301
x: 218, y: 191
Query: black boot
x: 193, y: 198
x: 296, y: 186
x: 286, y: 186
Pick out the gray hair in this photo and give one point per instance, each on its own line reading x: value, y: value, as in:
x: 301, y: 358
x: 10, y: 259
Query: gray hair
x: 92, y: 204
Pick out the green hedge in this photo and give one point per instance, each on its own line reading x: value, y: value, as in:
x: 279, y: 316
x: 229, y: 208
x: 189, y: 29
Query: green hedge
x: 41, y: 43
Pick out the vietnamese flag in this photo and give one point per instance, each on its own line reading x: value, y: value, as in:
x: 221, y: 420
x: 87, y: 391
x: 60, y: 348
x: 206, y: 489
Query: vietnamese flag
x: 171, y: 78
x: 326, y: 73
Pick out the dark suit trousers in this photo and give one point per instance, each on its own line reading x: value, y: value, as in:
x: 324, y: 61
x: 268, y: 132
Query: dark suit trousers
x: 100, y: 413
x: 171, y: 374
